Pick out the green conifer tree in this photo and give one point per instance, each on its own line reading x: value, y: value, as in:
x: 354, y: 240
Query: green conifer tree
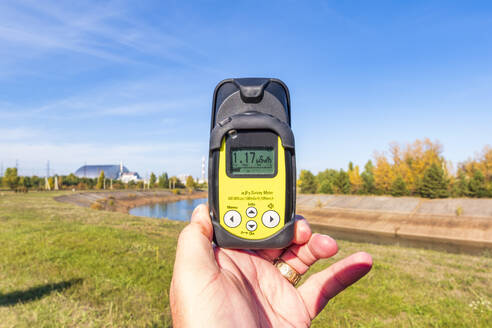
x: 368, y: 179
x: 476, y: 185
x: 434, y: 184
x: 152, y: 180
x: 460, y: 186
x: 399, y: 187
x: 342, y: 182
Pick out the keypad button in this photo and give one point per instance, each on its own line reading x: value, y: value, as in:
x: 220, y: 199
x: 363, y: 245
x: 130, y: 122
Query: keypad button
x: 270, y: 219
x: 251, y: 212
x: 251, y: 225
x: 232, y: 219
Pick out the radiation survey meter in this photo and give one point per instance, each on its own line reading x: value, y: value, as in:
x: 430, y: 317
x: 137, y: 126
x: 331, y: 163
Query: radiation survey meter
x: 252, y: 175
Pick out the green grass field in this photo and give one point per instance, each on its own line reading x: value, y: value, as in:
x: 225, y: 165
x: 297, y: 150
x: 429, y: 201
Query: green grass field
x: 63, y: 265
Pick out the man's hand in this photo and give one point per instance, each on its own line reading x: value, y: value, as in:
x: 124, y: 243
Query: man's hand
x: 216, y: 287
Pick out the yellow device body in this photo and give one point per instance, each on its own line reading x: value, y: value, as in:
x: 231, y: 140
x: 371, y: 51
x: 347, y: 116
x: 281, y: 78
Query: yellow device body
x: 252, y: 208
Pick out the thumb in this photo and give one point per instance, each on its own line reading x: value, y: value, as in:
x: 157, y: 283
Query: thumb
x: 194, y: 251
x: 200, y: 218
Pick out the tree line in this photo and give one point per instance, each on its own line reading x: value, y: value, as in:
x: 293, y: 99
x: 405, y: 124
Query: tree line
x: 13, y: 181
x: 415, y: 169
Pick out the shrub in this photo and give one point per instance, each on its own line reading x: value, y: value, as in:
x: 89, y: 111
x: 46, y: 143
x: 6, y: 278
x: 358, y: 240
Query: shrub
x: 11, y: 179
x: 307, y: 182
x: 459, y: 211
x: 326, y: 187
x: 97, y: 206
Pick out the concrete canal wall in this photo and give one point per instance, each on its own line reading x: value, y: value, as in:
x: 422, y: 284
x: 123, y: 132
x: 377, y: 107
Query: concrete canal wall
x: 454, y: 224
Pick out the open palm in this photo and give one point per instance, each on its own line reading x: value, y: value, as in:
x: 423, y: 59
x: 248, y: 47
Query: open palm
x: 216, y: 287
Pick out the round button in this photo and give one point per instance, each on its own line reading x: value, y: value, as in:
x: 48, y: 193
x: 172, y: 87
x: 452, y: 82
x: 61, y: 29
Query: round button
x: 232, y: 219
x: 251, y: 225
x: 251, y: 212
x: 270, y: 219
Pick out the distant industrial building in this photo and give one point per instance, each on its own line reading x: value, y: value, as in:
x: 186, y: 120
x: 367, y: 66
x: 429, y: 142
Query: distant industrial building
x: 126, y: 177
x: 113, y: 172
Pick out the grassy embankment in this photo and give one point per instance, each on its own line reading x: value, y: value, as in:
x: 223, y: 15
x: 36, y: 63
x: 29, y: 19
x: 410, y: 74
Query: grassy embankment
x: 63, y: 265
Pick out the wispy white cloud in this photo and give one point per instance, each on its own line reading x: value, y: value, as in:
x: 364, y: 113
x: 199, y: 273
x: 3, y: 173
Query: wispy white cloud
x: 79, y: 108
x: 38, y: 38
x: 117, y: 99
x: 102, y: 30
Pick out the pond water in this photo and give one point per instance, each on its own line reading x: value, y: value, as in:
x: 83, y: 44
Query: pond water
x: 180, y: 210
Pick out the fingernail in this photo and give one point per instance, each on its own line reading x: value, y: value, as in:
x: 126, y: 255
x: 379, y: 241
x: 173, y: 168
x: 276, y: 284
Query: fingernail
x: 195, y: 211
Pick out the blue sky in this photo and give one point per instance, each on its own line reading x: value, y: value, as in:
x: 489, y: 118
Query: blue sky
x: 99, y: 82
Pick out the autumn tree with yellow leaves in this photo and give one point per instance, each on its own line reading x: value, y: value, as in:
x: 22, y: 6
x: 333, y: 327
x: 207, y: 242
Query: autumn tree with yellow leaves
x: 410, y: 169
x: 384, y: 174
x: 355, y: 179
x: 474, y: 178
x: 408, y: 164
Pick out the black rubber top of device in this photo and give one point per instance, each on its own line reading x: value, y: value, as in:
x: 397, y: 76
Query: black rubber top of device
x: 264, y: 95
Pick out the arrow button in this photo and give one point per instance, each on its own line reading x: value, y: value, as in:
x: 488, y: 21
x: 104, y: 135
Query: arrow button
x: 232, y: 219
x: 251, y: 225
x: 251, y: 212
x: 270, y: 219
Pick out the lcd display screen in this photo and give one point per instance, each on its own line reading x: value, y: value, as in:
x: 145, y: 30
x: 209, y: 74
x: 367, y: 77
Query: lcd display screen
x: 253, y: 161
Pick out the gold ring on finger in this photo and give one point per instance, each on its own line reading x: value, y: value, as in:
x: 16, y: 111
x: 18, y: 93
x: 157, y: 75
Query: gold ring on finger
x: 288, y: 272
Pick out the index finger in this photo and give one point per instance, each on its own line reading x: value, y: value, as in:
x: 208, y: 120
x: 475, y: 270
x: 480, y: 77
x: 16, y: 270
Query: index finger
x: 323, y: 286
x: 302, y: 233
